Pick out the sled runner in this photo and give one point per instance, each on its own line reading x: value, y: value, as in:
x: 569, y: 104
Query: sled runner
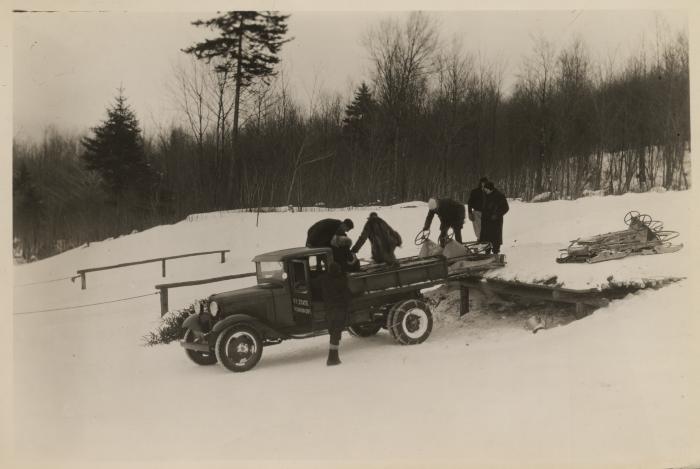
x: 643, y: 236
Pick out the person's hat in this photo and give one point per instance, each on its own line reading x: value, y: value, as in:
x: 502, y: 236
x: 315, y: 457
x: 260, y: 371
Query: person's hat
x: 373, y: 215
x: 348, y: 224
x: 483, y: 179
x: 489, y: 185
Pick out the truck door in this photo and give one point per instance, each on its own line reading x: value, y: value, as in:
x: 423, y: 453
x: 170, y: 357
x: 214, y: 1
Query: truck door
x: 307, y: 302
x: 301, y: 292
x: 318, y: 266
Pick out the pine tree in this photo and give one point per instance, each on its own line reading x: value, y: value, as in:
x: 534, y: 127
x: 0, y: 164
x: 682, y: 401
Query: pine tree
x: 359, y: 113
x: 246, y: 48
x: 116, y: 153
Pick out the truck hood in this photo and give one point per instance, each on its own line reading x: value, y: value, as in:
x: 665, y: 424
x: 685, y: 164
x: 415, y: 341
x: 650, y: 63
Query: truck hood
x: 244, y: 295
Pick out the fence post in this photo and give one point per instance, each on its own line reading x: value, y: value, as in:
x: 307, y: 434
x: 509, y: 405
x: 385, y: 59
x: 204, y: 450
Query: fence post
x: 83, y: 285
x: 223, y: 256
x: 464, y: 300
x: 163, y: 301
x: 163, y: 265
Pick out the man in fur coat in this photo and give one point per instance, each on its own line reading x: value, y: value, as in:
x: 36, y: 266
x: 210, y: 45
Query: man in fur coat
x: 383, y: 238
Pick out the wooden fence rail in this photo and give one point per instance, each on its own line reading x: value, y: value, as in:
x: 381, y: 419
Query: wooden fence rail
x: 164, y: 287
x: 82, y: 272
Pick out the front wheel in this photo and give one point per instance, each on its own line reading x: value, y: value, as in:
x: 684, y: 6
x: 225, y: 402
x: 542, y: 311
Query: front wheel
x: 200, y: 358
x: 239, y: 348
x: 367, y: 329
x: 411, y: 322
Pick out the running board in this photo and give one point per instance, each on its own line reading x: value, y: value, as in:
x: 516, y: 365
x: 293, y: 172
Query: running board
x: 309, y: 334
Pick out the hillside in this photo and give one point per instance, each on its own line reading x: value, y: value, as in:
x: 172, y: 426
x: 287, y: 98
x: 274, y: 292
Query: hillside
x: 617, y: 388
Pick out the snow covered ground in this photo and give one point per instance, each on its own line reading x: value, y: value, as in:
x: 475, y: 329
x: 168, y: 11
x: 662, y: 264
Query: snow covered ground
x: 618, y: 388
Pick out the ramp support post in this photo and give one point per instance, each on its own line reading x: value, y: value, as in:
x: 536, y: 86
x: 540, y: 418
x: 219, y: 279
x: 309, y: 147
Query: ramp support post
x: 463, y: 299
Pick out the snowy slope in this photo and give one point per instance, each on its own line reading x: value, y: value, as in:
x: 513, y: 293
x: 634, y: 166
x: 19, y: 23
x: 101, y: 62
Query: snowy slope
x: 617, y: 388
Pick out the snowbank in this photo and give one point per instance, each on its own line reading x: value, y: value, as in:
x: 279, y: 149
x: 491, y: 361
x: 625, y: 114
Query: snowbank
x: 618, y: 388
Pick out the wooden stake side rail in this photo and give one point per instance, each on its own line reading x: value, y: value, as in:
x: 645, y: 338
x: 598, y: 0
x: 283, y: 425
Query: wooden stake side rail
x: 589, y: 297
x: 82, y: 272
x: 164, y: 287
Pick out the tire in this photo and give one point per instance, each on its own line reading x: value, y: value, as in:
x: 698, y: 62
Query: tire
x: 367, y: 329
x: 239, y: 348
x: 390, y: 319
x: 200, y: 358
x: 412, y: 322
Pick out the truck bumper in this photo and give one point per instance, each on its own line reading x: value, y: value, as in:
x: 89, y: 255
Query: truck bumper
x: 195, y: 346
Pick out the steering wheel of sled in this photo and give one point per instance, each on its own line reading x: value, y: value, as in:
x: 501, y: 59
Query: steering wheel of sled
x: 642, y: 217
x: 424, y: 235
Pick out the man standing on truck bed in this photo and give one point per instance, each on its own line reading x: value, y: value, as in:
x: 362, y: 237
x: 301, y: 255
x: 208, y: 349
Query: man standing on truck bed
x: 322, y: 232
x: 475, y: 205
x: 451, y: 215
x: 332, y: 233
x: 336, y: 294
x: 384, y: 239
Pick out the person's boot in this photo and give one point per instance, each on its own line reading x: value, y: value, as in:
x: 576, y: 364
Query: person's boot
x: 333, y: 358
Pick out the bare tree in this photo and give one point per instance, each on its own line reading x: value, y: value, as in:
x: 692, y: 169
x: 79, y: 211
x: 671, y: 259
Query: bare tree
x: 402, y: 56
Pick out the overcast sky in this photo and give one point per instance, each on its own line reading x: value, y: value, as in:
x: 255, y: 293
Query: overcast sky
x: 68, y: 66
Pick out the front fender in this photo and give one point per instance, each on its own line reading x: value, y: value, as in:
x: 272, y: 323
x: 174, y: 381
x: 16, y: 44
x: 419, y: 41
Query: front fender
x: 192, y: 322
x: 241, y: 318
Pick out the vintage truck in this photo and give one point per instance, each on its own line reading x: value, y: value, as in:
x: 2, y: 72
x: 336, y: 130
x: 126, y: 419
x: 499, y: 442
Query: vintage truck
x: 232, y: 328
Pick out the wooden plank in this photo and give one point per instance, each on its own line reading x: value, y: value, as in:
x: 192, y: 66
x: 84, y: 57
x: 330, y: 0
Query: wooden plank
x: 591, y: 297
x: 146, y: 261
x: 203, y: 281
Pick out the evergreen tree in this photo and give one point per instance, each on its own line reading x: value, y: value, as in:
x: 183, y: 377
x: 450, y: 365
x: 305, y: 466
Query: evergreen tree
x: 116, y: 153
x: 358, y: 114
x: 246, y: 48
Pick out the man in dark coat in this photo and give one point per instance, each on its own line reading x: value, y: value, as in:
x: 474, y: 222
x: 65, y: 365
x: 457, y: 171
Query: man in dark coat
x: 475, y: 205
x: 336, y: 295
x: 451, y: 215
x: 321, y: 233
x: 495, y: 206
x: 383, y: 238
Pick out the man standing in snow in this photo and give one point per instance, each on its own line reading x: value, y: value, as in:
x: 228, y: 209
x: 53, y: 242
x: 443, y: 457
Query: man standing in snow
x: 495, y: 207
x: 336, y: 294
x: 322, y: 232
x: 384, y: 239
x: 451, y: 215
x: 475, y: 205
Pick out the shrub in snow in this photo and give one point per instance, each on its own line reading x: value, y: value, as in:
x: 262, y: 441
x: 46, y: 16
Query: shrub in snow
x: 658, y: 189
x: 170, y: 328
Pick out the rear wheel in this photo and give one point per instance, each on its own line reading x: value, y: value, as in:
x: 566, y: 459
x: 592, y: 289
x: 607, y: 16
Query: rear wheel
x: 239, y: 348
x: 367, y: 329
x: 200, y: 358
x: 390, y: 319
x: 411, y: 322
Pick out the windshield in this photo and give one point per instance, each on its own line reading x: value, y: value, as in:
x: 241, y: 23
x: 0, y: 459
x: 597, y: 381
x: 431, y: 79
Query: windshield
x: 270, y: 272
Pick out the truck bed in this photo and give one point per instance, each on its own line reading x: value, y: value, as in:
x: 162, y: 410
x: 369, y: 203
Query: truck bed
x: 420, y: 271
